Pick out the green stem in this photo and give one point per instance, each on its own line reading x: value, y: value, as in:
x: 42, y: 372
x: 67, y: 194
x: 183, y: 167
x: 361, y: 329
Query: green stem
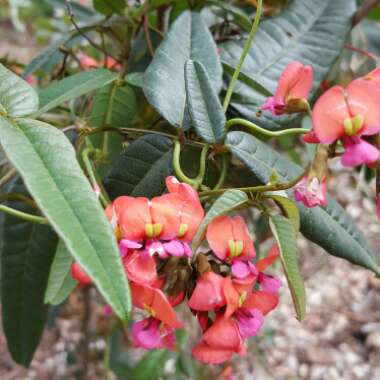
x: 255, y: 129
x: 223, y: 172
x: 202, y: 166
x: 235, y: 76
x: 91, y: 173
x: 177, y: 165
x: 23, y: 215
x: 259, y: 189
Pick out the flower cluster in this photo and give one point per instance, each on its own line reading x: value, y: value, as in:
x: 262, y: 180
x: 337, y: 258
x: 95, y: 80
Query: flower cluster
x: 348, y: 115
x: 225, y: 290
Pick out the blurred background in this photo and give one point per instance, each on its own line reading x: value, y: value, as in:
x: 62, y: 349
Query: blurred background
x: 340, y: 336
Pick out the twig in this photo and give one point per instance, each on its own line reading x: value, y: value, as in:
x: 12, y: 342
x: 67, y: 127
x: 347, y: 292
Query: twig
x: 147, y: 35
x: 363, y: 11
x: 362, y: 51
x: 84, y: 35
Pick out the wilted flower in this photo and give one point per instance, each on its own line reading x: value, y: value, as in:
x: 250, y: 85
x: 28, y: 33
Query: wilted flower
x: 292, y: 90
x: 311, y: 192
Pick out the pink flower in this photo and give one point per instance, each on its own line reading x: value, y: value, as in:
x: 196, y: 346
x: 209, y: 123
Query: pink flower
x: 140, y: 268
x: 243, y: 269
x: 249, y: 321
x: 348, y: 114
x: 150, y: 333
x: 230, y: 239
x: 269, y: 284
x: 311, y: 192
x: 78, y: 273
x: 292, y: 90
x: 358, y: 152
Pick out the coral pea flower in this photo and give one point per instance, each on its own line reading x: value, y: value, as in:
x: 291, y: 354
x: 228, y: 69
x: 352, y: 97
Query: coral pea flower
x: 263, y: 301
x: 292, y: 90
x: 374, y: 76
x: 140, y: 268
x: 311, y: 192
x: 190, y: 210
x: 140, y: 219
x: 220, y: 341
x: 154, y: 301
x: 78, y: 273
x: 151, y: 333
x: 348, y: 114
x: 208, y: 294
x: 229, y: 238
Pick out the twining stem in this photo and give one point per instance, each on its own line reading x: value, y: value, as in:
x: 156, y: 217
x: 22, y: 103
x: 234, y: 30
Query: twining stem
x: 247, y: 46
x: 259, y: 189
x: 223, y: 172
x: 23, y: 215
x: 177, y: 165
x: 255, y: 129
x: 86, y: 154
x: 202, y: 166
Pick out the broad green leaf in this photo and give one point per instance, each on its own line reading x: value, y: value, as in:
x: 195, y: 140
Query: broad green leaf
x: 115, y: 106
x: 188, y: 38
x: 141, y: 168
x: 135, y: 79
x: 290, y: 209
x: 47, y: 163
x: 17, y: 97
x: 285, y: 236
x: 60, y: 283
x: 229, y: 201
x: 151, y: 366
x: 26, y: 255
x: 110, y: 6
x: 330, y: 227
x: 204, y: 106
x: 312, y: 32
x: 73, y: 87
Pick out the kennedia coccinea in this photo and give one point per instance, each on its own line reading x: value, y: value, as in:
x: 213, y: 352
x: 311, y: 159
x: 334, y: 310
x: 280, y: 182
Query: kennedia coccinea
x: 154, y: 239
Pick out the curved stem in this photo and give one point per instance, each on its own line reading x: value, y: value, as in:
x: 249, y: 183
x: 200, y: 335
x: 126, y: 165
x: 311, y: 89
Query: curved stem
x: 177, y: 165
x: 259, y: 189
x: 23, y: 215
x: 255, y: 129
x: 251, y: 35
x: 223, y: 172
x: 202, y: 166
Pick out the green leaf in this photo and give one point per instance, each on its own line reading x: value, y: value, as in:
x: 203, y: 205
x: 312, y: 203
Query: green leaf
x: 26, y: 255
x: 17, y: 97
x: 73, y: 87
x: 47, y: 163
x: 285, y: 236
x: 229, y: 201
x: 115, y: 106
x: 188, y: 38
x: 151, y: 366
x: 312, y: 32
x: 142, y: 168
x: 330, y: 227
x: 204, y: 106
x: 110, y: 6
x: 238, y: 15
x: 290, y: 209
x: 135, y: 79
x: 60, y: 283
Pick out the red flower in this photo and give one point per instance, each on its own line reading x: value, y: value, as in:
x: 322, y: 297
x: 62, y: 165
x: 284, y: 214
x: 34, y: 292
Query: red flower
x: 77, y: 273
x: 348, y: 114
x: 190, y: 210
x: 154, y: 301
x: 229, y: 238
x: 292, y: 91
x: 208, y: 293
x: 140, y: 268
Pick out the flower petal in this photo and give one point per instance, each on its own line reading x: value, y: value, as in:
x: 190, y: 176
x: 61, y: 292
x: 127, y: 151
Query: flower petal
x: 211, y: 355
x: 140, y: 268
x: 329, y: 113
x: 263, y: 301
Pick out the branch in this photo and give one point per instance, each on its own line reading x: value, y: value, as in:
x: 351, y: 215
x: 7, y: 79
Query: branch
x: 363, y: 11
